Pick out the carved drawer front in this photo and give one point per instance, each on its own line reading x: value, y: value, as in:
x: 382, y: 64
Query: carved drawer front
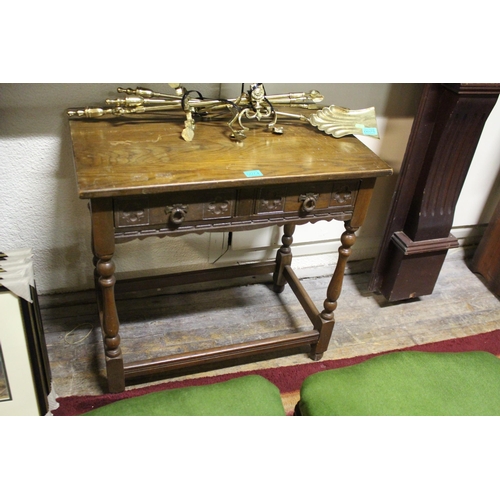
x: 131, y: 211
x: 229, y: 209
x: 174, y: 210
x: 220, y: 206
x: 307, y: 199
x: 271, y: 200
x: 344, y: 194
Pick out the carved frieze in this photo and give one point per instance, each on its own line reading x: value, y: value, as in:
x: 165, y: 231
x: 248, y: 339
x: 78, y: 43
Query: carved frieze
x: 217, y: 208
x: 270, y: 201
x: 342, y: 196
x: 131, y: 212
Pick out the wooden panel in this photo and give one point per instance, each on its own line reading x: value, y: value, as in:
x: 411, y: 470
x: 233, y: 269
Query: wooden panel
x: 113, y: 158
x: 487, y: 257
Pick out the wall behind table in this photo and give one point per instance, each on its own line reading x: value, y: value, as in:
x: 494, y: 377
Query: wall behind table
x: 41, y: 209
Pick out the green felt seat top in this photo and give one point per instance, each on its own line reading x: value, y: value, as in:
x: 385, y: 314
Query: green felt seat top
x: 407, y: 383
x: 250, y: 395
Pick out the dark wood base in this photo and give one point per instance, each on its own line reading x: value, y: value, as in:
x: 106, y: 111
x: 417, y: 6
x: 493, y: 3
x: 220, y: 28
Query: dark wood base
x: 415, y: 266
x: 486, y: 260
x: 410, y: 276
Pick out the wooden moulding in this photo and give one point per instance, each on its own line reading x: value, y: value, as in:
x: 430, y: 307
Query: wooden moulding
x: 410, y: 247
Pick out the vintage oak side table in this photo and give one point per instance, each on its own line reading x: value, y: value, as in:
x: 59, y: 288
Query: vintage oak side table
x: 143, y: 179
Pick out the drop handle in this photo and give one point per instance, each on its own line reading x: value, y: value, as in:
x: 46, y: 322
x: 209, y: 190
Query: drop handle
x: 308, y: 202
x: 177, y: 214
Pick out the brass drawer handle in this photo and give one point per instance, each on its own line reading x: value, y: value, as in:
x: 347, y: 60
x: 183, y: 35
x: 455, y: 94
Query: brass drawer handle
x: 308, y: 202
x: 177, y: 214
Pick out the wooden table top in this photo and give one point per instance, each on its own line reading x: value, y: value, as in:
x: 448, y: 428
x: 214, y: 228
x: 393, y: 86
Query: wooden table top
x: 114, y: 158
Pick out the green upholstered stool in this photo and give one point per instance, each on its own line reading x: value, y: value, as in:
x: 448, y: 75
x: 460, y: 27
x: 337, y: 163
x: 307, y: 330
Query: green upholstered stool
x: 407, y: 383
x: 250, y: 395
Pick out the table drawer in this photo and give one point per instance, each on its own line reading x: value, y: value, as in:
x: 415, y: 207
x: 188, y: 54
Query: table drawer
x: 174, y: 210
x: 228, y: 208
x: 306, y: 199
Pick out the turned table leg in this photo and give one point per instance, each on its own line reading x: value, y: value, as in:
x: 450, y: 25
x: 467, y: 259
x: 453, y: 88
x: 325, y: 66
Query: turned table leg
x: 103, y: 246
x: 327, y: 318
x: 283, y: 258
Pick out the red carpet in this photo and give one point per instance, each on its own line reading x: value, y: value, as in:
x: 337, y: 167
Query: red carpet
x: 287, y: 378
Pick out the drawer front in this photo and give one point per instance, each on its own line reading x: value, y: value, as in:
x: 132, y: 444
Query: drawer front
x: 174, y: 210
x: 131, y: 211
x: 230, y: 208
x: 307, y: 199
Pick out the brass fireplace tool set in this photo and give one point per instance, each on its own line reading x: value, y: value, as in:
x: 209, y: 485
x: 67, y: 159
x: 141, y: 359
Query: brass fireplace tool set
x: 252, y: 104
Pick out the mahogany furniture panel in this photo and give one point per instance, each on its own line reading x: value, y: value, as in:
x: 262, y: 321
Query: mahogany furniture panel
x: 441, y: 146
x: 143, y: 179
x: 486, y: 259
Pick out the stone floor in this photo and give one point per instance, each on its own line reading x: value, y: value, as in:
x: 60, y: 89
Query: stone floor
x: 461, y: 305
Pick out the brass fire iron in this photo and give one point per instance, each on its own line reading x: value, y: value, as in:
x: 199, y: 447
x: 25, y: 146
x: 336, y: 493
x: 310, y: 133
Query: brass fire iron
x: 252, y: 104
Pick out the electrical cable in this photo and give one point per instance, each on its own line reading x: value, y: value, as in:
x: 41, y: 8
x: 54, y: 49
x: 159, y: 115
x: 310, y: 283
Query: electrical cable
x: 72, y: 332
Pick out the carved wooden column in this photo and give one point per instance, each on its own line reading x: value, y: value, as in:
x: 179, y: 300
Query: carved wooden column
x: 440, y: 149
x: 326, y: 320
x: 283, y: 258
x: 103, y: 246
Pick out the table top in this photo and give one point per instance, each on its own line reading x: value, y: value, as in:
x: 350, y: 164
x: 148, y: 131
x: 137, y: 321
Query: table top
x: 114, y: 158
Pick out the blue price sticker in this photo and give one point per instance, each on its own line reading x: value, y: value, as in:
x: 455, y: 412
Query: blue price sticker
x: 370, y: 131
x: 253, y: 173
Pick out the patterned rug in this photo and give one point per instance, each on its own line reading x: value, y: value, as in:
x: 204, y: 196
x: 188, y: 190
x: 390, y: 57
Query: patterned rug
x: 287, y: 378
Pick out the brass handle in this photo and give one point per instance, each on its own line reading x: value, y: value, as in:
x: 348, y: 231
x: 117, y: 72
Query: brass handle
x: 308, y: 202
x: 177, y: 214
